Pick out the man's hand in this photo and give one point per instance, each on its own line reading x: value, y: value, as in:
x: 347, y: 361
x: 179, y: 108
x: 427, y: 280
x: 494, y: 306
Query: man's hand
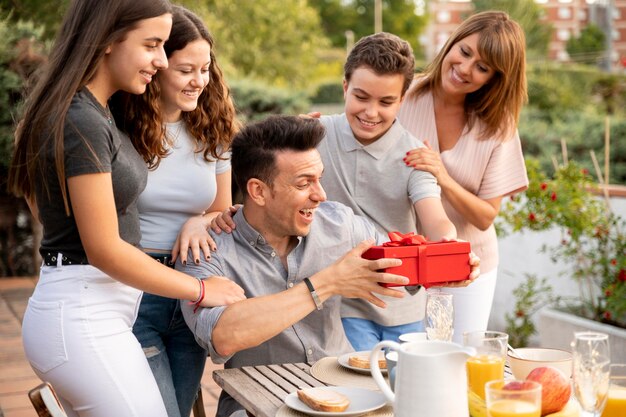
x: 355, y: 277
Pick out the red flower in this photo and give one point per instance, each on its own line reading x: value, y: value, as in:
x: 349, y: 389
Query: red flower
x: 543, y: 185
x: 532, y: 217
x: 553, y: 196
x: 519, y: 313
x: 622, y: 275
x: 608, y: 293
x: 613, y: 261
x: 601, y: 231
x: 585, y: 171
x: 607, y: 315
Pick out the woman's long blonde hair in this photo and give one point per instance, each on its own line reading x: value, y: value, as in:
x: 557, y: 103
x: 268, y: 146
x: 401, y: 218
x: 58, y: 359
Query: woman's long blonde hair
x: 502, y: 45
x: 89, y: 26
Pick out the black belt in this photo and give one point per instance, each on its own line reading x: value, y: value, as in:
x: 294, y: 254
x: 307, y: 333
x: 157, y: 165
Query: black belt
x: 164, y: 259
x: 51, y: 259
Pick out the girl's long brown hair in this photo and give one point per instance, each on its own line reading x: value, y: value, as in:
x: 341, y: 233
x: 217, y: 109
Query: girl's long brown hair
x: 497, y: 105
x: 88, y: 27
x: 212, y: 123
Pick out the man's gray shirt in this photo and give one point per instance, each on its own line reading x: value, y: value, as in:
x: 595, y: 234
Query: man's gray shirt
x: 245, y: 257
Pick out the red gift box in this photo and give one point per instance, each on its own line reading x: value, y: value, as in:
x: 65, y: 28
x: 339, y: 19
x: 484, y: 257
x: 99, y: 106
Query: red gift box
x: 424, y: 263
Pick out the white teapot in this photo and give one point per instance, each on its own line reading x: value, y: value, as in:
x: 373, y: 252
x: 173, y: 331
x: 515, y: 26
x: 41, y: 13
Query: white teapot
x: 430, y: 380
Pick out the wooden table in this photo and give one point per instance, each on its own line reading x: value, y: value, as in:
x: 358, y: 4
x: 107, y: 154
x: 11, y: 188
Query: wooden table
x: 262, y: 389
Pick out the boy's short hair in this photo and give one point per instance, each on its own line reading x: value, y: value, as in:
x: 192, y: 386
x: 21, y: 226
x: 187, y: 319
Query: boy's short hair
x: 385, y: 54
x: 254, y: 148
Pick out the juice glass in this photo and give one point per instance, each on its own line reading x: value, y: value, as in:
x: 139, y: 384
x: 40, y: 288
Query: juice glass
x: 488, y: 364
x: 616, y: 402
x: 515, y: 398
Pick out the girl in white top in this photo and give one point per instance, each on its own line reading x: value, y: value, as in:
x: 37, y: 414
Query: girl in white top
x: 185, y: 122
x: 465, y: 107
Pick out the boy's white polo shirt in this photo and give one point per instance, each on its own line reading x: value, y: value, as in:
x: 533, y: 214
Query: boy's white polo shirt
x: 374, y: 181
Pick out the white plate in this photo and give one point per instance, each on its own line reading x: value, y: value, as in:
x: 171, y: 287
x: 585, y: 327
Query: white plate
x: 344, y: 361
x: 361, y: 401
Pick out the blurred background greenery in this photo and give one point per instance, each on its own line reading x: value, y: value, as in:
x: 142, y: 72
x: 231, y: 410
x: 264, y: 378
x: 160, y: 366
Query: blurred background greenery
x: 287, y: 57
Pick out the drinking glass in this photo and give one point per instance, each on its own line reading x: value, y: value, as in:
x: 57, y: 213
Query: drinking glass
x: 488, y: 364
x: 515, y: 398
x: 439, y: 315
x: 590, y: 371
x: 616, y: 402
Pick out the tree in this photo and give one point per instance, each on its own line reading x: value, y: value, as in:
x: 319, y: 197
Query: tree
x: 277, y: 42
x: 528, y: 14
x: 399, y: 17
x: 46, y: 13
x: 589, y: 47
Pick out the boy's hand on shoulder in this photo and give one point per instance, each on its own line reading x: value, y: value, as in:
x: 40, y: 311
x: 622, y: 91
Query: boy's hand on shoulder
x: 224, y: 220
x: 311, y: 115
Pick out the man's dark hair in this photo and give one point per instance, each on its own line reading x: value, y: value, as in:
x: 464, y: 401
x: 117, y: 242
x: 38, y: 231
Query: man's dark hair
x: 254, y: 148
x: 385, y: 54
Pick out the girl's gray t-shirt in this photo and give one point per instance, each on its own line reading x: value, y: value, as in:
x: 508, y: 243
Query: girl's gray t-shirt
x: 92, y: 144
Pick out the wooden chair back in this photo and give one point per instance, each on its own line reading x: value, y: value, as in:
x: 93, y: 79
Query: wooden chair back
x: 45, y: 401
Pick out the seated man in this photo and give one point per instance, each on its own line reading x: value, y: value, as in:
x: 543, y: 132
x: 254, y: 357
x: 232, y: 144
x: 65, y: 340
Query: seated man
x: 292, y: 253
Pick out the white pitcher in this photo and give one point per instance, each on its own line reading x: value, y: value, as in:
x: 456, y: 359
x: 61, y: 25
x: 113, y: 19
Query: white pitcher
x: 431, y: 380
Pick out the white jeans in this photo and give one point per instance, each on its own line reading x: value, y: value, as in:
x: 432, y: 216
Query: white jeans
x: 77, y: 335
x: 472, y: 304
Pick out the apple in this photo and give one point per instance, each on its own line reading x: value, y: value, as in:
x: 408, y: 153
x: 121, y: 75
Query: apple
x: 516, y: 386
x: 555, y: 388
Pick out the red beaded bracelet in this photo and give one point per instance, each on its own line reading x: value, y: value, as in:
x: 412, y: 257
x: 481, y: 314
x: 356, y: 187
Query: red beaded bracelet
x: 197, y: 302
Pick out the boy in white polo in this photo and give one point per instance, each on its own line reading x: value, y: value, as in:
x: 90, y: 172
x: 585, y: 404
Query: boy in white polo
x: 362, y: 154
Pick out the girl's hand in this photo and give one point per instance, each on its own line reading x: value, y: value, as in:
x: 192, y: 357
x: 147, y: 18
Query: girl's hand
x: 224, y: 220
x: 220, y: 291
x: 426, y: 159
x: 193, y: 235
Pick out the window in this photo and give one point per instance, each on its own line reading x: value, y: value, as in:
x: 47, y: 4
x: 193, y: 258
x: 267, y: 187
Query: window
x: 443, y: 16
x: 565, y: 13
x: 563, y: 35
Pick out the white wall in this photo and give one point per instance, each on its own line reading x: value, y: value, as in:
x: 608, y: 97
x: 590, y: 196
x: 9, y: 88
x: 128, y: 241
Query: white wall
x: 520, y: 254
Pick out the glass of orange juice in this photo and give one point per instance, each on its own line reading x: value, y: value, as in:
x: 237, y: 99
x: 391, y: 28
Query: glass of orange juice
x: 488, y: 364
x: 514, y: 398
x: 616, y: 402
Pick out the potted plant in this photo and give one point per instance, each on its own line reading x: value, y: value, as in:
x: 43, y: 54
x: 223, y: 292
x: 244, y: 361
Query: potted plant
x: 592, y: 242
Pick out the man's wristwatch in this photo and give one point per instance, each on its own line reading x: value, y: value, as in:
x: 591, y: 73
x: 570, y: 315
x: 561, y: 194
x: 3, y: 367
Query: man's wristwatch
x: 316, y: 299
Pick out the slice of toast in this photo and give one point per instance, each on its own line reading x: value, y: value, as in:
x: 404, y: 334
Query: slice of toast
x: 322, y: 399
x: 362, y: 360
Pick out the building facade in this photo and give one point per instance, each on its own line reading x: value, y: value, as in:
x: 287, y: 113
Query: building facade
x: 567, y: 18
